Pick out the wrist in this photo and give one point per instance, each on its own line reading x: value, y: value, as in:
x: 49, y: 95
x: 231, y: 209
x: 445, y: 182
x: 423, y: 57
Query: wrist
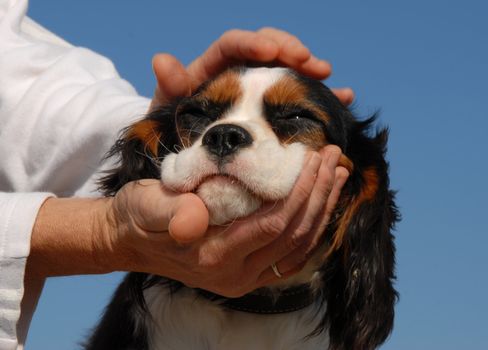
x: 70, y: 237
x: 113, y: 245
x: 104, y: 232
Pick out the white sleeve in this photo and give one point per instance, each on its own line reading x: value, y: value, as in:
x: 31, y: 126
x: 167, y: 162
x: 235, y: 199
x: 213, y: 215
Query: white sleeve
x: 61, y: 108
x: 18, y: 211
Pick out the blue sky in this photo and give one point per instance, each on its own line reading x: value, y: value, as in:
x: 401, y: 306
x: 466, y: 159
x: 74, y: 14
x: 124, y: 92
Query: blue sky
x: 424, y: 64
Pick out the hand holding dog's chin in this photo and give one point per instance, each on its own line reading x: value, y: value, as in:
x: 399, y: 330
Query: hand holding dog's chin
x: 147, y: 228
x: 137, y: 230
x: 268, y: 46
x: 167, y: 233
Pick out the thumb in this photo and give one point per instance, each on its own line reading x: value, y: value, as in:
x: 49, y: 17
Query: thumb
x: 171, y: 77
x: 189, y: 220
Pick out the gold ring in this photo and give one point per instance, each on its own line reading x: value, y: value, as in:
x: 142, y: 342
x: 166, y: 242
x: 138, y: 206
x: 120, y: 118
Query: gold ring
x: 276, y: 271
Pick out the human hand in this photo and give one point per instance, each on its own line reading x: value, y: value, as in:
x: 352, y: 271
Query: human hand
x: 154, y: 230
x: 268, y: 46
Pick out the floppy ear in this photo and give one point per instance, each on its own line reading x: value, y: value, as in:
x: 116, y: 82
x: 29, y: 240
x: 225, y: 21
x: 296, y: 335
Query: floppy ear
x: 140, y: 150
x: 359, y: 271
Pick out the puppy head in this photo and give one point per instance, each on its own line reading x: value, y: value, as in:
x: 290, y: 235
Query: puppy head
x: 237, y: 151
x: 240, y: 139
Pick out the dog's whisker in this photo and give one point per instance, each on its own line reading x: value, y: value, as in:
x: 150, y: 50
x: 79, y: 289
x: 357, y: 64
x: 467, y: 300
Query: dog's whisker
x: 290, y: 138
x: 226, y: 226
x: 156, y: 162
x: 154, y: 159
x: 180, y: 138
x: 159, y: 141
x: 270, y: 209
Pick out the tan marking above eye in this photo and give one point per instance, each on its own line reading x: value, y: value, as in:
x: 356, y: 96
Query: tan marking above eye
x: 225, y: 89
x: 286, y: 90
x: 289, y: 90
x: 146, y: 131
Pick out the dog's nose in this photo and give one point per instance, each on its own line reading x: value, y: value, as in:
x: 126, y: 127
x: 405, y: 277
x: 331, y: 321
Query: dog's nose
x: 225, y: 139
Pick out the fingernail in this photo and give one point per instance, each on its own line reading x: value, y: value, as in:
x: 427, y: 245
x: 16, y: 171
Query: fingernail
x: 341, y: 178
x: 324, y: 66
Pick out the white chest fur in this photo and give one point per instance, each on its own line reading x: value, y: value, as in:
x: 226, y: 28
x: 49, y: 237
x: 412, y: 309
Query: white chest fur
x: 186, y: 321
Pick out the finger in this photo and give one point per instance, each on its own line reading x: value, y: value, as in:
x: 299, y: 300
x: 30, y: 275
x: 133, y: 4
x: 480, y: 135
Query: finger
x: 339, y: 179
x: 296, y: 260
x: 315, y: 68
x: 293, y: 53
x: 300, y: 231
x: 189, y: 219
x: 172, y: 79
x: 243, y: 46
x: 157, y: 210
x: 292, y: 50
x: 345, y: 95
x: 286, y: 267
x: 341, y: 176
x: 271, y: 220
x: 233, y: 47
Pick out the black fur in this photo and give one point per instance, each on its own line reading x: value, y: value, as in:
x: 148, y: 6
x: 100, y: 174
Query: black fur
x: 118, y: 328
x: 134, y: 160
x: 358, y: 276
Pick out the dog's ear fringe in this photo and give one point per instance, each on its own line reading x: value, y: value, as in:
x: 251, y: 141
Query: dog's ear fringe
x: 358, y: 276
x: 140, y: 148
x: 134, y: 162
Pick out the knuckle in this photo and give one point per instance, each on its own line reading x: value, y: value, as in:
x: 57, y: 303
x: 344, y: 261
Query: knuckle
x: 272, y: 226
x: 299, y: 237
x: 302, y: 232
x: 326, y: 180
x: 211, y: 261
x: 230, y: 33
x: 293, y: 40
x: 328, y: 189
x: 294, y: 241
x: 303, y: 256
x: 266, y: 29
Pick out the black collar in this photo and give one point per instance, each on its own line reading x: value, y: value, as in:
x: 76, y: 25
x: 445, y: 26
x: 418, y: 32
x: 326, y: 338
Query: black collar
x: 288, y: 300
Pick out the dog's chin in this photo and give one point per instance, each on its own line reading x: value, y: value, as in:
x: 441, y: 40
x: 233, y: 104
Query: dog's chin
x: 227, y: 199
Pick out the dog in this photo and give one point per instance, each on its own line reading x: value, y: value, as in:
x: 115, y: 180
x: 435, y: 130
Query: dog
x: 238, y: 141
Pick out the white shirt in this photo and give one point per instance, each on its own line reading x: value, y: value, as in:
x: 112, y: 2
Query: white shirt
x: 61, y: 108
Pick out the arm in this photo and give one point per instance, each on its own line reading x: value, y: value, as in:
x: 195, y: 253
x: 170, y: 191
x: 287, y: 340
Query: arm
x: 61, y: 108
